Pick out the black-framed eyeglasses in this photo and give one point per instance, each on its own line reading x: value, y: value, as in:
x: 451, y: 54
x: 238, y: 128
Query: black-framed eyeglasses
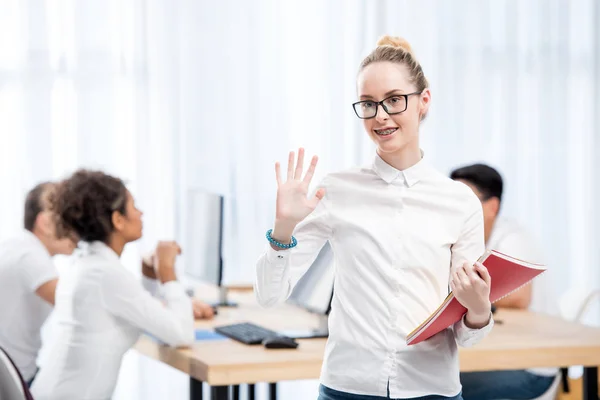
x: 394, y: 104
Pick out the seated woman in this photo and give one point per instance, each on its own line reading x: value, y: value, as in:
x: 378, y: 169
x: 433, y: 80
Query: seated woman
x: 101, y: 308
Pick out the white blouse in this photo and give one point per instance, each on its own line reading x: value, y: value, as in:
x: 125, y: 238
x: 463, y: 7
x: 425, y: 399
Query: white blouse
x: 101, y: 310
x: 395, y: 235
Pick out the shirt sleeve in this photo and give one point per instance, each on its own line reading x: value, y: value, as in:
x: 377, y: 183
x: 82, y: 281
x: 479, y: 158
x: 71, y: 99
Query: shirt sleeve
x: 151, y: 285
x: 278, y: 271
x: 469, y: 246
x: 467, y: 337
x: 171, y: 322
x: 36, y: 269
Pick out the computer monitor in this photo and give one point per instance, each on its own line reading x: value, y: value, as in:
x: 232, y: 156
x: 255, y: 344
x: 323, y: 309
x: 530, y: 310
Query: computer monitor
x: 203, y: 243
x: 314, y: 292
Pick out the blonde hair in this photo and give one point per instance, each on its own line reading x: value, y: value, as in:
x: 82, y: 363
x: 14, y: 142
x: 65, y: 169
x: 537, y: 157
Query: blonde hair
x: 397, y: 50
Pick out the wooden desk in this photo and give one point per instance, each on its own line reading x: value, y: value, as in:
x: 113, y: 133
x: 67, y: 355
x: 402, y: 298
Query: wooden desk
x: 522, y: 340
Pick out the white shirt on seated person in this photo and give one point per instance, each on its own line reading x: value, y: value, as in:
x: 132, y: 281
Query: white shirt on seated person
x: 101, y: 310
x: 25, y: 265
x: 509, y: 237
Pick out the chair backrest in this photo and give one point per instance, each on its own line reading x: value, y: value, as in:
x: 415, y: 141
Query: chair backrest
x: 575, y: 303
x: 573, y: 306
x: 12, y: 385
x: 586, y: 304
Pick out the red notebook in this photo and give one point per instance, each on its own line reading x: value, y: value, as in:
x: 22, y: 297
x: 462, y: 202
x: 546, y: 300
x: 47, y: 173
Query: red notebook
x: 508, y: 274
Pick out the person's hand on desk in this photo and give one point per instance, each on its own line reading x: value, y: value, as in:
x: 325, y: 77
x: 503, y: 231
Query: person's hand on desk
x: 202, y: 310
x: 471, y: 287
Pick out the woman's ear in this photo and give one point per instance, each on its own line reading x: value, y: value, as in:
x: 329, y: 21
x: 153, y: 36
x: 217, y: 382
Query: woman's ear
x: 44, y: 223
x: 424, y: 102
x: 118, y: 221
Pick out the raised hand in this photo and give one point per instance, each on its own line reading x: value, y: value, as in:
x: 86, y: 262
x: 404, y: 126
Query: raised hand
x: 164, y: 260
x: 293, y: 204
x: 165, y: 253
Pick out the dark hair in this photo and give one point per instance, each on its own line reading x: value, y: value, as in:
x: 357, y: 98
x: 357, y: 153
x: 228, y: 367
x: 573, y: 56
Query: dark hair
x: 84, y: 204
x: 485, y: 178
x: 35, y: 203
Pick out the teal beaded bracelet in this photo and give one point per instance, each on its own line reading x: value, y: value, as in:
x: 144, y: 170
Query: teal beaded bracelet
x: 281, y: 245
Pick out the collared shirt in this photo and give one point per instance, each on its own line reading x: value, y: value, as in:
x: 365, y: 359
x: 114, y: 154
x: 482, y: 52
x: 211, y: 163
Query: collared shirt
x: 395, y: 235
x: 101, y: 310
x: 25, y: 265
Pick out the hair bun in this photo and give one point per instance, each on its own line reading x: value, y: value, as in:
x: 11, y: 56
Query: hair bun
x: 394, y: 41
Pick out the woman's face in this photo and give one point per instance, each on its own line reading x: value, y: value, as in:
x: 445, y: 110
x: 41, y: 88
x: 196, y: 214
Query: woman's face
x: 130, y: 224
x: 389, y: 81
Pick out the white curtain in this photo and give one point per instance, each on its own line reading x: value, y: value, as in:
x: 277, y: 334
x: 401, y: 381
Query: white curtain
x: 90, y: 84
x: 515, y: 85
x: 189, y: 94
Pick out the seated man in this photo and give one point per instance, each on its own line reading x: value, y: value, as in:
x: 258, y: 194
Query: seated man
x: 28, y: 280
x: 508, y: 237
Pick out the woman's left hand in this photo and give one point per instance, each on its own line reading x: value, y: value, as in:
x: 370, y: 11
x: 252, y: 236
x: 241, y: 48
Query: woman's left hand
x: 471, y: 287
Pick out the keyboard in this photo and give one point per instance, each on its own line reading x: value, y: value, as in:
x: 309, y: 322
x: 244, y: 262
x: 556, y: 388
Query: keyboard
x: 246, y: 332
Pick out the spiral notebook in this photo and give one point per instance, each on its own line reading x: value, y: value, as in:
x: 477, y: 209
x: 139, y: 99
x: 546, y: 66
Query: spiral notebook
x: 508, y: 274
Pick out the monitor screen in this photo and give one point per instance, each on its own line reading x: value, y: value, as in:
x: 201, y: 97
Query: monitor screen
x: 314, y: 290
x: 202, y: 243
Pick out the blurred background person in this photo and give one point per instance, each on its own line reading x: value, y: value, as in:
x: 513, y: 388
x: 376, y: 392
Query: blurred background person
x: 28, y: 279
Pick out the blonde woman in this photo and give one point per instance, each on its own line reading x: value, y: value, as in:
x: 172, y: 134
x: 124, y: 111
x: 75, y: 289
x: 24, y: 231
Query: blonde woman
x: 401, y: 233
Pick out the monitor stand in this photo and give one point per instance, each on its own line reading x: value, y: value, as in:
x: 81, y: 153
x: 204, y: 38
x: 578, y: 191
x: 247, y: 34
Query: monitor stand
x: 223, y: 302
x: 322, y: 331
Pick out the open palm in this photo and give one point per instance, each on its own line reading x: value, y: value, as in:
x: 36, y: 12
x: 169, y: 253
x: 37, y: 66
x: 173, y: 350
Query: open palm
x: 293, y: 204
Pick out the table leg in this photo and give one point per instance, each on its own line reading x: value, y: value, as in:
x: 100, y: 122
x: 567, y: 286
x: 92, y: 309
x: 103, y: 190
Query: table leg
x: 219, y: 393
x: 590, y: 383
x: 273, y: 391
x: 564, y: 373
x: 236, y: 392
x: 195, y: 389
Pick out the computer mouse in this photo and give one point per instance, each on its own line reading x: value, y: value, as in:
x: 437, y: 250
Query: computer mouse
x: 280, y: 342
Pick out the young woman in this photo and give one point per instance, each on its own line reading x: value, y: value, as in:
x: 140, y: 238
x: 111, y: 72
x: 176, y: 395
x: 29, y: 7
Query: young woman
x: 402, y: 234
x: 101, y: 308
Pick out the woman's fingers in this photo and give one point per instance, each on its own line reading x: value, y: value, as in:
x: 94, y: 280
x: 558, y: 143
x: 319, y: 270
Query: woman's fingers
x: 295, y: 168
x: 278, y: 173
x: 311, y: 170
x: 299, y: 164
x: 290, y: 169
x: 463, y: 277
x: 483, y: 273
